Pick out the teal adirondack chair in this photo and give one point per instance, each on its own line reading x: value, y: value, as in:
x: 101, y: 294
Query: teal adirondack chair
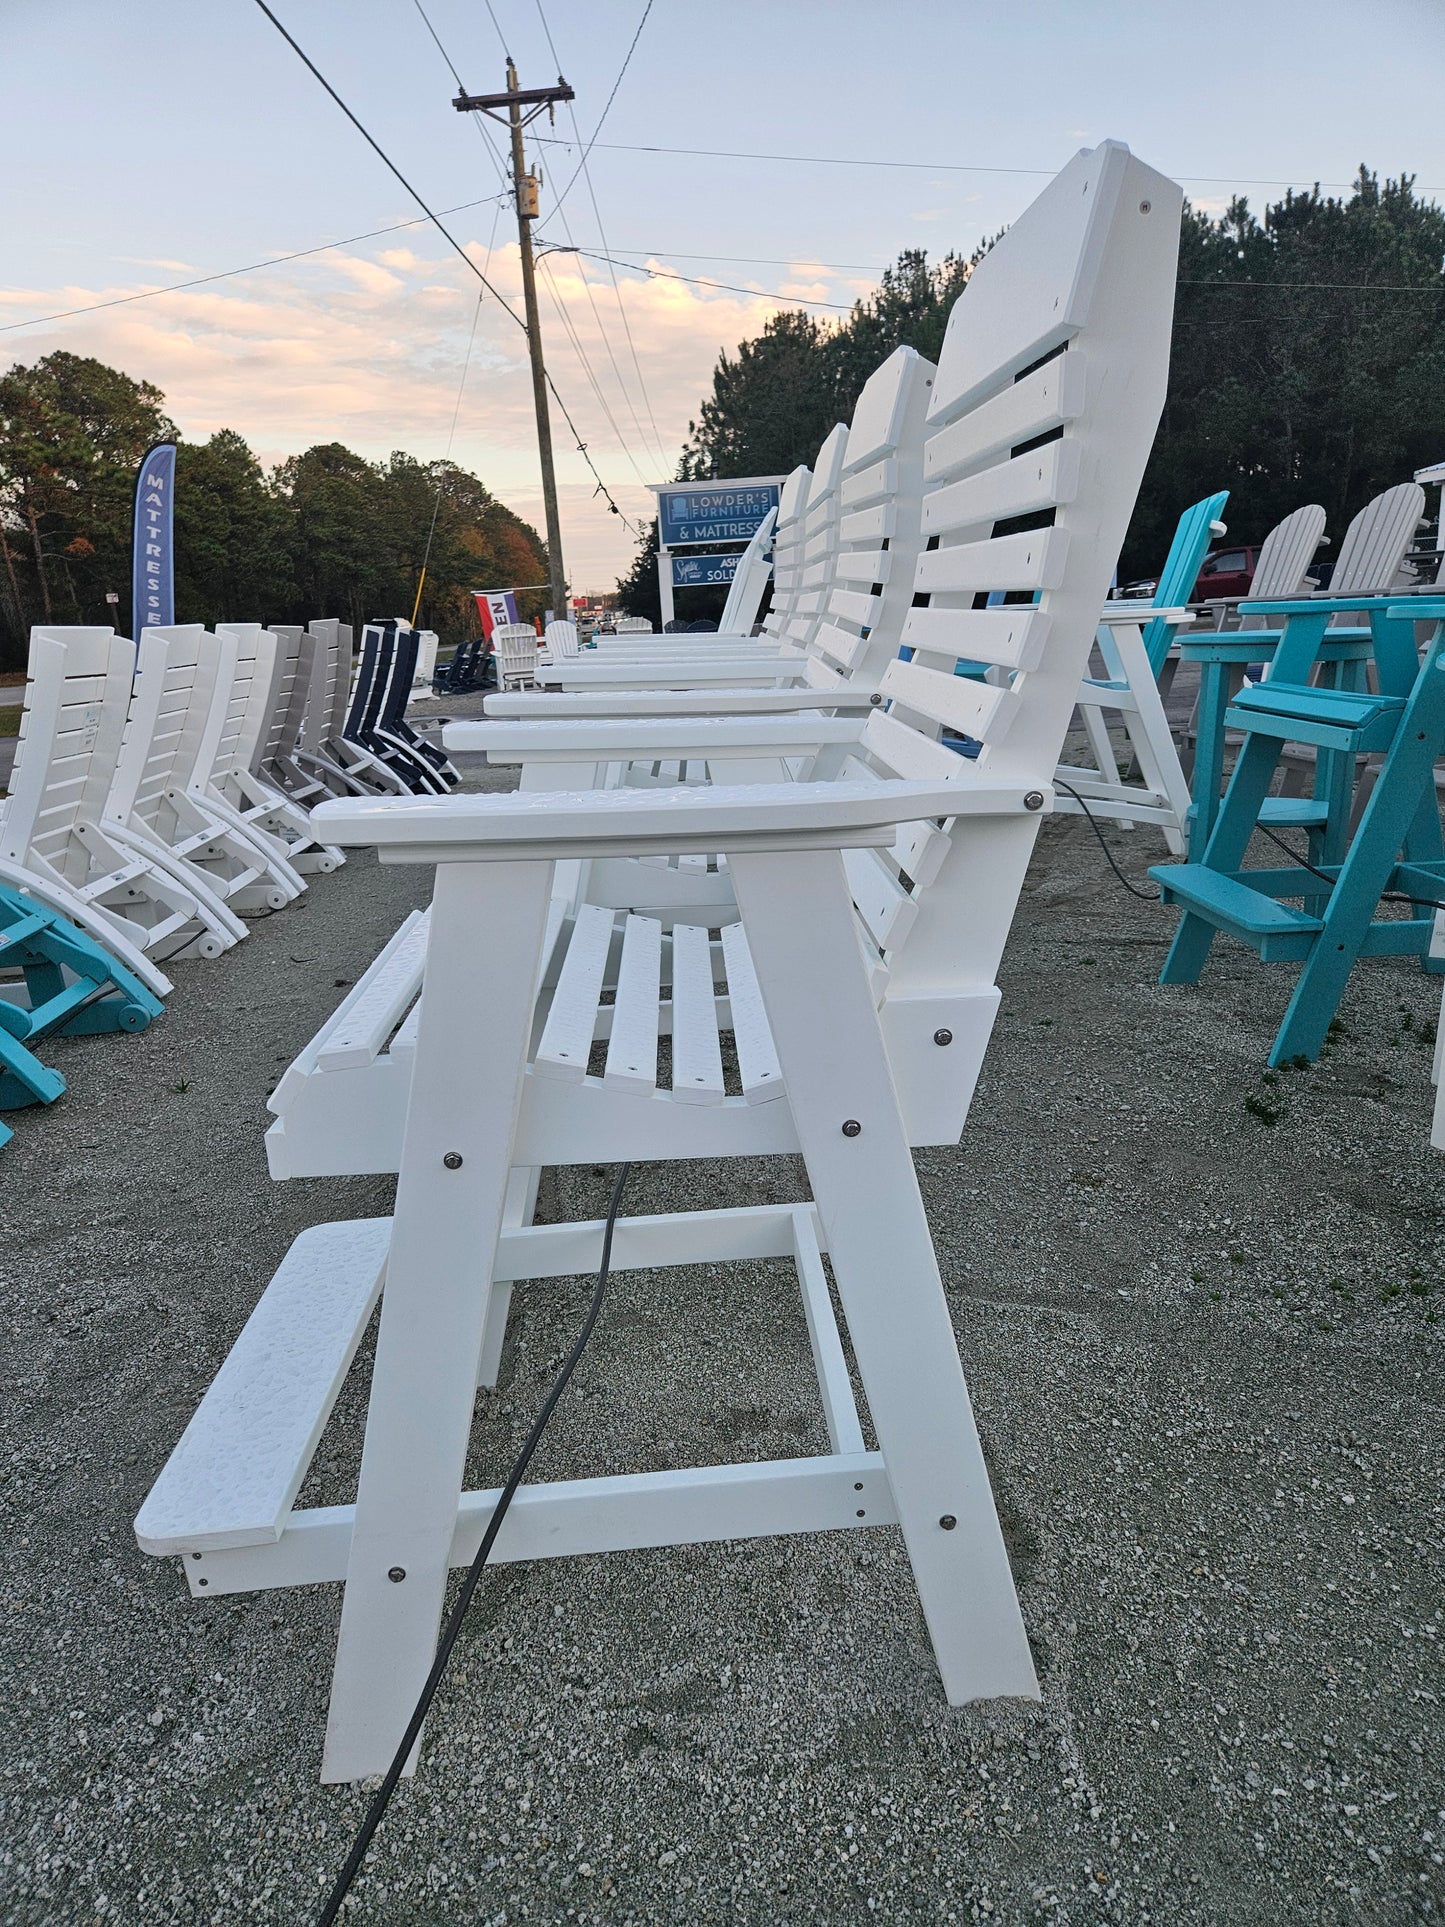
x: 1366, y: 565
x: 59, y: 982
x: 1395, y: 848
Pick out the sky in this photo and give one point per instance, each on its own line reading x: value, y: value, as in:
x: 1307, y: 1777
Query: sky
x: 144, y: 142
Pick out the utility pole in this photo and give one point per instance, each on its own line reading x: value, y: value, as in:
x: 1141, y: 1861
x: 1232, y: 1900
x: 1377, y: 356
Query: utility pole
x: 524, y: 187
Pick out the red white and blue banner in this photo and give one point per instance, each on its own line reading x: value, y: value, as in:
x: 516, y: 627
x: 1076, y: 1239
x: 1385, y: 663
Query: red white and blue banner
x: 494, y: 606
x: 153, y: 547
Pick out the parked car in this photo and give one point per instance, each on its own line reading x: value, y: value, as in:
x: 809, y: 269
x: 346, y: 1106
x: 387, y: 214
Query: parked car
x: 1223, y: 572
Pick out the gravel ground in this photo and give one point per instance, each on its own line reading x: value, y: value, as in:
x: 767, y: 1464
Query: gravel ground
x: 1199, y: 1309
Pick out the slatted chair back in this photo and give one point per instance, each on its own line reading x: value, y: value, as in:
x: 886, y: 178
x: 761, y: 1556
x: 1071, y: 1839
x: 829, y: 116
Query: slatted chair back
x: 275, y: 667
x: 819, y: 538
x: 238, y: 702
x: 788, y: 548
x: 71, y: 728
x: 1285, y: 554
x: 176, y: 675
x: 561, y: 640
x: 633, y: 626
x: 878, y: 535
x: 1049, y: 388
x: 1198, y: 527
x: 750, y: 578
x: 515, y: 646
x: 1376, y: 540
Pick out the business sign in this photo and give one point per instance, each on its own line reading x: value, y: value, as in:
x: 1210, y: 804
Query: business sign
x: 694, y: 513
x: 153, y: 548
x: 702, y: 571
x: 494, y: 606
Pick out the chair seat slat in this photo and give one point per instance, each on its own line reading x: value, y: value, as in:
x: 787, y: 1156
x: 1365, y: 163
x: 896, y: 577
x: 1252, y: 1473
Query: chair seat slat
x: 632, y: 1047
x: 567, y: 1035
x: 697, y: 1073
x: 762, y: 1077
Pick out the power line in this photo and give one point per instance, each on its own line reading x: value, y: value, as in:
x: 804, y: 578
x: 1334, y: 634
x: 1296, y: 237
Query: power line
x: 920, y: 167
x: 627, y: 57
x: 443, y: 230
x: 798, y: 260
x: 584, y: 170
x: 252, y: 267
x: 696, y: 281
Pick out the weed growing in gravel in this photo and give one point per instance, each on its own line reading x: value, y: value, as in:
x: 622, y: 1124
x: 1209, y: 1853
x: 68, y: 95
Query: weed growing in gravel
x: 1266, y: 1113
x: 181, y: 1087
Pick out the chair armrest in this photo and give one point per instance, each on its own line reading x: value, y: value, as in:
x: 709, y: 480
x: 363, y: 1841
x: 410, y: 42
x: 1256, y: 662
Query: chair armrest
x: 553, y: 825
x: 616, y: 739
x: 600, y: 671
x: 1144, y: 612
x: 578, y: 704
x: 1420, y: 609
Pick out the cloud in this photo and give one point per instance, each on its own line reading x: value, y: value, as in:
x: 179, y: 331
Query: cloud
x: 368, y: 350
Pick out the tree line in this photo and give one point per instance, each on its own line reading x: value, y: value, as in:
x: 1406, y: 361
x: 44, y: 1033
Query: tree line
x: 325, y: 533
x: 1308, y: 365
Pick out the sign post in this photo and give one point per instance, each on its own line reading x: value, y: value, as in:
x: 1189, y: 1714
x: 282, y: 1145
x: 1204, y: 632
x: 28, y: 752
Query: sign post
x: 696, y: 515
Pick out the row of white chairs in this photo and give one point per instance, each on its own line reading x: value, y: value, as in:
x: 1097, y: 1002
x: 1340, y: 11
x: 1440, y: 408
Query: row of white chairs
x: 161, y: 794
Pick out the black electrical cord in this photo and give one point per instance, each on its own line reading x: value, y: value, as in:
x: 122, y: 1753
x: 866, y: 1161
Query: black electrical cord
x: 452, y: 1629
x: 1386, y: 896
x: 1134, y: 891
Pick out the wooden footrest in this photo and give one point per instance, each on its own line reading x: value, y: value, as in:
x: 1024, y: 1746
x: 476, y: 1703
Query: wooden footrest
x: 234, y: 1476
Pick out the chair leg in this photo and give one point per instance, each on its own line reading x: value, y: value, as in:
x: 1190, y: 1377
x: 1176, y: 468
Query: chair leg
x: 1208, y: 768
x: 798, y: 916
x: 465, y: 1092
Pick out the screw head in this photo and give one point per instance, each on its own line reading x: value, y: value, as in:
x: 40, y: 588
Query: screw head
x: 875, y: 700
x: 453, y: 1160
x: 396, y: 1575
x: 942, y: 1037
x: 1034, y: 800
x: 948, y: 1522
x: 1144, y: 206
x: 851, y: 1127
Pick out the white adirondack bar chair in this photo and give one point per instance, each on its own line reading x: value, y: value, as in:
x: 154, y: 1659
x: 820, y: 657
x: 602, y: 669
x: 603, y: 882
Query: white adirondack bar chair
x: 788, y: 550
x: 234, y: 781
x: 633, y: 626
x: 514, y: 645
x: 848, y: 1051
x: 153, y: 807
x: 750, y: 580
x: 878, y: 540
x: 54, y: 842
x: 1279, y: 570
x: 703, y: 661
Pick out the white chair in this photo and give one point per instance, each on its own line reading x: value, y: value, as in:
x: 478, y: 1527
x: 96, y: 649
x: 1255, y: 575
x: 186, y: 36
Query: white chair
x: 633, y: 626
x: 153, y: 806
x: 234, y: 748
x: 53, y: 839
x: 514, y: 645
x: 750, y: 580
x: 560, y: 642
x: 672, y: 662
x: 1279, y: 571
x: 426, y: 663
x: 860, y: 993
